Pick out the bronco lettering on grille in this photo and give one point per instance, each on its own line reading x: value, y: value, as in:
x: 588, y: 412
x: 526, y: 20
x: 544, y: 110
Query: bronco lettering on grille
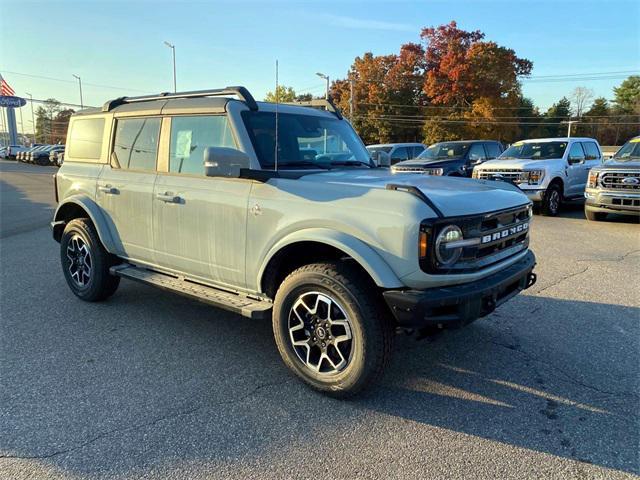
x: 507, y: 232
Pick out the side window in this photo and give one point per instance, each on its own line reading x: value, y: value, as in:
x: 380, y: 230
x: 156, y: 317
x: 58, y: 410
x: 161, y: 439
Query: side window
x: 591, y: 151
x: 136, y: 143
x: 476, y: 152
x: 576, y: 153
x: 85, y: 139
x: 399, y: 154
x: 417, y: 151
x: 191, y: 135
x: 493, y: 150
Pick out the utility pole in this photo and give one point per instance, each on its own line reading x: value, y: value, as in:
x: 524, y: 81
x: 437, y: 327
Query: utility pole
x: 351, y: 99
x: 325, y: 77
x: 21, y: 126
x: 569, y: 123
x: 173, y: 52
x: 33, y: 119
x: 80, y: 84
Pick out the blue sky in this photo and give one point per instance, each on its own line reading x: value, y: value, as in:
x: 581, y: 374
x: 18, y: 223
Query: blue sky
x: 219, y: 43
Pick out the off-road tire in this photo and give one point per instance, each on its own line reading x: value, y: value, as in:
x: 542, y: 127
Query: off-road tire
x: 372, y: 329
x: 594, y: 216
x: 552, y: 200
x: 101, y: 284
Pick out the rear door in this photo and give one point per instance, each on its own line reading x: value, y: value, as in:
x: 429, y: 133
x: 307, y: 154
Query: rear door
x: 399, y: 154
x: 200, y: 221
x: 125, y: 186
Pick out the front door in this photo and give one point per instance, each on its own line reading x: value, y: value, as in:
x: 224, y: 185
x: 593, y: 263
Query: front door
x: 199, y: 221
x: 577, y: 171
x: 125, y: 187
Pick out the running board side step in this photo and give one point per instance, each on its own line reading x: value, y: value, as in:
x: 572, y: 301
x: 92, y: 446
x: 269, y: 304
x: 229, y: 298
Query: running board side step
x: 245, y: 306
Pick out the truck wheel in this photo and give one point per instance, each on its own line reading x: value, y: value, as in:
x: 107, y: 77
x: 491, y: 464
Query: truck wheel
x: 85, y: 262
x: 552, y: 201
x: 594, y: 216
x: 331, y: 329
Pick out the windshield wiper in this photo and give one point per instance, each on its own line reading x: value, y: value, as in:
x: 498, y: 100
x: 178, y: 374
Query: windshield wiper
x: 350, y: 163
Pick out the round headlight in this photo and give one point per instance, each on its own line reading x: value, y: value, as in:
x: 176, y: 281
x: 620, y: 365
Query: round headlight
x: 444, y: 253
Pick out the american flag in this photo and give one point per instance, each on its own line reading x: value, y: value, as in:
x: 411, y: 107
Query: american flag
x: 5, y: 89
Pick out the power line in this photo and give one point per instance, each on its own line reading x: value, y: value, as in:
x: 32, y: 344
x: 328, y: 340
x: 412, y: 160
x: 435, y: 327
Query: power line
x: 113, y: 87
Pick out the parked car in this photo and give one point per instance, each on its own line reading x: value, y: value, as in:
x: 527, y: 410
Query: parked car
x: 451, y: 158
x: 398, y: 151
x: 3, y: 152
x: 13, y: 150
x: 21, y: 156
x: 34, y: 152
x: 41, y: 157
x: 56, y: 155
x: 614, y: 187
x: 548, y: 170
x: 196, y: 193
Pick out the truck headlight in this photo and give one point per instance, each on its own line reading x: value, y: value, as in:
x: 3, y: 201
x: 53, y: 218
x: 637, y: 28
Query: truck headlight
x: 593, y: 179
x: 445, y: 254
x: 535, y: 176
x: 433, y: 171
x: 475, y: 173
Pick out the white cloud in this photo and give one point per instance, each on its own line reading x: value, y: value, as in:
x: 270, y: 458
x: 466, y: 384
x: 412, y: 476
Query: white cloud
x: 365, y: 24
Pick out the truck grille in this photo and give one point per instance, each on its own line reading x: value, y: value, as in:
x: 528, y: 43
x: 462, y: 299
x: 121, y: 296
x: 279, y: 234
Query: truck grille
x: 402, y: 168
x: 629, y: 181
x: 494, y: 246
x: 511, y: 174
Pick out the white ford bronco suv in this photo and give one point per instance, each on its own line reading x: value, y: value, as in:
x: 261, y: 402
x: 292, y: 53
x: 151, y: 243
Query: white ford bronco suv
x: 548, y: 170
x: 278, y: 211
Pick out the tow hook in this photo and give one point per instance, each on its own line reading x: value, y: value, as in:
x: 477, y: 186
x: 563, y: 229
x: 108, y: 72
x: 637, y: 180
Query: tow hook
x: 531, y: 280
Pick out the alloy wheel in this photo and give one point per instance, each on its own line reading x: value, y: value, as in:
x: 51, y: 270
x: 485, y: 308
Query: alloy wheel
x: 320, y: 333
x: 80, y: 261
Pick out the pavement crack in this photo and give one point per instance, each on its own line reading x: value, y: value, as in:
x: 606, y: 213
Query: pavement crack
x: 155, y: 421
x: 616, y: 259
x: 563, y: 278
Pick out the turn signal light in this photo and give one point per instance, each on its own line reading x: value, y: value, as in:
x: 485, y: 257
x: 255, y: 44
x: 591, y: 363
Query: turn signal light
x: 423, y: 244
x: 593, y: 179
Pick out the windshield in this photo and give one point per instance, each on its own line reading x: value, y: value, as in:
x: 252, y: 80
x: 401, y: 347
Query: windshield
x: 304, y: 141
x: 629, y: 151
x: 534, y: 150
x: 445, y: 151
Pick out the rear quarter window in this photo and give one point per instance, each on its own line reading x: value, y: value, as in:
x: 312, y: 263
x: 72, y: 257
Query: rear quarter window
x: 85, y: 140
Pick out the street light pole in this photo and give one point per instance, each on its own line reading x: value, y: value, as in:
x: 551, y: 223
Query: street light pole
x: 173, y: 53
x: 80, y: 84
x: 569, y: 123
x: 33, y: 118
x: 325, y: 77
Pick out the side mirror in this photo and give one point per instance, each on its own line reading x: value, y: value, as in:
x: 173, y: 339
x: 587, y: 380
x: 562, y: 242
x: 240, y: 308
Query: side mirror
x: 475, y: 161
x: 224, y: 162
x: 381, y: 159
x: 574, y: 160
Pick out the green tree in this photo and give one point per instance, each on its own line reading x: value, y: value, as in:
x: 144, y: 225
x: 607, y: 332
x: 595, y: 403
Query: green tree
x: 558, y: 112
x: 283, y: 94
x: 45, y: 116
x: 627, y: 95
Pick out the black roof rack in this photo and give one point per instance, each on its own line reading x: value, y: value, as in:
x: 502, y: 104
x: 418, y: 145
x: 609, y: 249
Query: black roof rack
x: 326, y: 103
x: 241, y: 92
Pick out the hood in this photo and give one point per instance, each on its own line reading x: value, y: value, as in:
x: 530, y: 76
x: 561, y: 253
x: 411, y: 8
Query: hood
x: 453, y: 196
x: 519, y: 163
x: 613, y: 163
x: 430, y: 163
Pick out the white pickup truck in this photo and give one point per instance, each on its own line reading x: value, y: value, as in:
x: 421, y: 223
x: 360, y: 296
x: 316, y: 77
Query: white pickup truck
x: 548, y: 170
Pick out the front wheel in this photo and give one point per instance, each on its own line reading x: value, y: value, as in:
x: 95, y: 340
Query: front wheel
x: 331, y: 329
x: 552, y: 200
x: 86, y: 263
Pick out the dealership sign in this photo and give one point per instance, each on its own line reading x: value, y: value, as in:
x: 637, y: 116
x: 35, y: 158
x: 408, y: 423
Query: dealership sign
x: 15, y: 102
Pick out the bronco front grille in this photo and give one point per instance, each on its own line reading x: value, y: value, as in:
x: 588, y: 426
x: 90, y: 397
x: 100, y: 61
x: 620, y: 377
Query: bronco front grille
x: 494, y: 246
x: 629, y: 181
x: 511, y: 174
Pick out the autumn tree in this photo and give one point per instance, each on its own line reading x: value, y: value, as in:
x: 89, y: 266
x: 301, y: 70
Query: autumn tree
x: 60, y: 125
x: 45, y: 116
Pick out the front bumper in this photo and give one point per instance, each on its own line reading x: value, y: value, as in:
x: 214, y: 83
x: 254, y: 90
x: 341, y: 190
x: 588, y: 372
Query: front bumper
x: 459, y: 305
x: 536, y: 195
x: 610, y: 201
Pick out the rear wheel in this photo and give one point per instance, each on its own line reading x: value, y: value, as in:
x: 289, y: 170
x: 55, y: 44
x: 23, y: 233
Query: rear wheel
x: 86, y: 263
x: 331, y: 329
x: 594, y: 216
x: 552, y: 200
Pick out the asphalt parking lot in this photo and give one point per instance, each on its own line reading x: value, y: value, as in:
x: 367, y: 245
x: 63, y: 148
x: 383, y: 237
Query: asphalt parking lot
x: 151, y: 385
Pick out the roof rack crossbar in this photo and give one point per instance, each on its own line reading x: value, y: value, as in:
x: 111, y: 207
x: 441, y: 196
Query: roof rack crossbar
x: 241, y: 92
x: 326, y: 103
